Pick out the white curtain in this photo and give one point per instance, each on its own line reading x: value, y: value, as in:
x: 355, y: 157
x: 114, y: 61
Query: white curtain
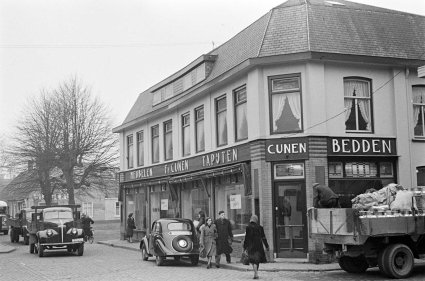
x: 349, y: 87
x: 278, y: 102
x: 418, y: 97
x: 295, y: 104
x: 361, y: 90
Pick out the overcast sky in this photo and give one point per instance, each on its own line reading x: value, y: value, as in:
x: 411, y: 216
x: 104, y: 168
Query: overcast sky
x: 118, y: 47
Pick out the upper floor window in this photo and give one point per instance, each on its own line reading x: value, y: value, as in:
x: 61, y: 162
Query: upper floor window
x: 221, y: 117
x: 199, y: 129
x: 130, y: 151
x: 186, y: 134
x: 286, y: 111
x: 168, y: 140
x: 155, y: 143
x: 419, y: 110
x: 358, y: 105
x: 241, y: 124
x: 140, y: 149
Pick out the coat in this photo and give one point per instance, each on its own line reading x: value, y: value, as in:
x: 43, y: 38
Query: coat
x: 254, y: 239
x: 322, y: 194
x: 207, y: 240
x: 130, y: 226
x: 225, y: 236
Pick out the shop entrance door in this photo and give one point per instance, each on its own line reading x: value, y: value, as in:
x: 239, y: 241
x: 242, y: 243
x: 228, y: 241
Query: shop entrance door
x: 290, y: 220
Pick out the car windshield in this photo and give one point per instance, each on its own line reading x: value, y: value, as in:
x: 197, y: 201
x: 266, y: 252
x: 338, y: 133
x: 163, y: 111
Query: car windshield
x: 179, y: 226
x: 58, y: 215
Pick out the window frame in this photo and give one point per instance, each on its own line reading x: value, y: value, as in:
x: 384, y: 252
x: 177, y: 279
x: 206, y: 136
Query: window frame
x: 422, y: 108
x: 197, y: 121
x: 217, y: 112
x: 130, y: 156
x: 372, y: 126
x: 280, y: 92
x: 236, y: 104
x: 168, y: 133
x: 185, y: 126
x: 140, y: 143
x: 153, y: 137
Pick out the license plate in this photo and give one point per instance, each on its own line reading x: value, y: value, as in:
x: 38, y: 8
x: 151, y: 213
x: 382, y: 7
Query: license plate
x: 77, y: 240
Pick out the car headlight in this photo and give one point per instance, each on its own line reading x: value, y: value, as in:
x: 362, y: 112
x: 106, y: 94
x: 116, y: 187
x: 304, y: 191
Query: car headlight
x: 74, y: 231
x: 182, y: 243
x: 4, y: 219
x: 49, y: 233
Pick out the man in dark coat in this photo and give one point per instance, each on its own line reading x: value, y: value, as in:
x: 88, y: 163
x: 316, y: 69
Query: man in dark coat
x: 225, y: 238
x: 324, y: 197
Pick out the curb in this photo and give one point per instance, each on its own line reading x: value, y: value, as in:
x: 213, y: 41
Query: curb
x: 238, y: 268
x: 6, y: 249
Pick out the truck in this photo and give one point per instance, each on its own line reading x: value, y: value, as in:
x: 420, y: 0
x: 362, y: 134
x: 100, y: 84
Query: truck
x: 19, y: 225
x: 56, y: 228
x: 3, y: 218
x: 359, y: 240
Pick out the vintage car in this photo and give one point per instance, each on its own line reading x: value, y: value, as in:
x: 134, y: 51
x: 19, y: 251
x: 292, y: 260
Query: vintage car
x: 172, y: 237
x: 55, y: 228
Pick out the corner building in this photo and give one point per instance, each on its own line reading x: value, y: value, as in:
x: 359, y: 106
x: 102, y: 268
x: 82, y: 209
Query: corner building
x: 313, y: 91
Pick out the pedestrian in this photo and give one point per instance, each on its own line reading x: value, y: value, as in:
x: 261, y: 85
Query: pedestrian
x: 86, y: 221
x: 224, y: 239
x: 253, y: 244
x: 208, y: 240
x: 131, y: 225
x: 324, y: 197
x: 201, y: 222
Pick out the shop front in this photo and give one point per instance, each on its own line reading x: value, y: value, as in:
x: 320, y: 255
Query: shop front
x: 288, y: 158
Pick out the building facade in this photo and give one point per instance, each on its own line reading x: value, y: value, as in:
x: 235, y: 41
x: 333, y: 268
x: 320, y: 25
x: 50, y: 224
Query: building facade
x: 250, y: 126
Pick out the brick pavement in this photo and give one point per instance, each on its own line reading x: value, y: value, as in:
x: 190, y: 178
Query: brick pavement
x: 277, y: 265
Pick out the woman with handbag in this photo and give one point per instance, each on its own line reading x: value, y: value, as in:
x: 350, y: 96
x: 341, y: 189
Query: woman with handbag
x: 207, y: 240
x: 131, y: 225
x: 253, y: 244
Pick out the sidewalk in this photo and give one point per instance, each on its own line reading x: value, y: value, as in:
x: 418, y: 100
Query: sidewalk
x: 4, y: 249
x: 278, y: 265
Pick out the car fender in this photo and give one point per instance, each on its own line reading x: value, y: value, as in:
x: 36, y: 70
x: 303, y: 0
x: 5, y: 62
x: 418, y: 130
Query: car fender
x: 144, y: 243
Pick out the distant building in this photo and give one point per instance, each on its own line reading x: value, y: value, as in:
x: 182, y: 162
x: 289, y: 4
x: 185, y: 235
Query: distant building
x: 313, y: 91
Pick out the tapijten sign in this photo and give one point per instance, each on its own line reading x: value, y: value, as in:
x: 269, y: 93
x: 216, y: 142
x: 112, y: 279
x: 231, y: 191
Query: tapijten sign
x: 362, y: 146
x: 287, y: 149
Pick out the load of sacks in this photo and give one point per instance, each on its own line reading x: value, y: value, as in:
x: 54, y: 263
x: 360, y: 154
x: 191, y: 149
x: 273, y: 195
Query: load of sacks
x: 392, y: 197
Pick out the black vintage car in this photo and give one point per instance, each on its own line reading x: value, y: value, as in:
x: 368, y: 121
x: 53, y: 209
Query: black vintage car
x: 172, y: 237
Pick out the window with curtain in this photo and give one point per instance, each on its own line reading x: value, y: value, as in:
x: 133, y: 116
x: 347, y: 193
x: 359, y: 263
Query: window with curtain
x: 358, y: 105
x: 168, y: 140
x: 186, y: 134
x: 199, y: 127
x: 286, y: 111
x: 130, y: 151
x: 155, y: 143
x: 221, y: 118
x: 241, y: 124
x: 418, y: 93
x: 140, y: 149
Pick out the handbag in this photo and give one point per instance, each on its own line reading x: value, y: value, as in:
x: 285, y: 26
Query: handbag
x: 202, y: 252
x: 245, y: 258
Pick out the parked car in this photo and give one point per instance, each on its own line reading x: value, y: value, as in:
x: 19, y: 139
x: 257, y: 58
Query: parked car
x: 171, y: 237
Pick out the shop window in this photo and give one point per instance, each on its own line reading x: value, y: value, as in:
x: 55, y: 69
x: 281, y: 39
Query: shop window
x: 358, y: 105
x: 199, y: 128
x: 335, y: 170
x: 420, y: 173
x: 186, y: 134
x: 140, y: 149
x: 386, y: 169
x: 117, y: 209
x: 241, y: 123
x: 155, y: 144
x: 289, y: 171
x: 221, y: 120
x: 168, y: 140
x: 361, y: 169
x: 419, y: 110
x: 286, y: 110
x: 130, y: 151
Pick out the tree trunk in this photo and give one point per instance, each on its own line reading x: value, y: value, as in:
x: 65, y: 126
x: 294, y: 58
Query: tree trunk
x: 69, y: 177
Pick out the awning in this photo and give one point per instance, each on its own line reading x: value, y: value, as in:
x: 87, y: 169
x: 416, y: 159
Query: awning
x: 210, y: 173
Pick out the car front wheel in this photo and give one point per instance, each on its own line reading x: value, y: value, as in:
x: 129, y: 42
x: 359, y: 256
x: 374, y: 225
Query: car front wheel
x: 145, y: 255
x: 40, y: 250
x: 159, y: 260
x: 194, y: 259
x: 80, y: 250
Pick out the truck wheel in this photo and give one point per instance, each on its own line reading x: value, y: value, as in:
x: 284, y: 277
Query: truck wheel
x: 398, y: 261
x: 159, y: 260
x: 194, y: 260
x: 32, y: 246
x: 40, y: 250
x: 80, y: 250
x: 353, y: 265
x: 145, y: 255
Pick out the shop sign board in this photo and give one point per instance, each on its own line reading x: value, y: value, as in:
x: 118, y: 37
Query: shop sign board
x: 213, y: 159
x: 362, y: 146
x: 287, y: 149
x: 235, y: 202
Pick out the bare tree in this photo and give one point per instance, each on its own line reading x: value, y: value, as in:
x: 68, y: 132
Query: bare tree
x: 87, y: 146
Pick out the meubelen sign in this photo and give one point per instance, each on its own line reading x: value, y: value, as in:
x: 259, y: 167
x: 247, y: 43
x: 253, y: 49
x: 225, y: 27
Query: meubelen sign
x: 362, y: 146
x: 213, y: 159
x: 287, y: 149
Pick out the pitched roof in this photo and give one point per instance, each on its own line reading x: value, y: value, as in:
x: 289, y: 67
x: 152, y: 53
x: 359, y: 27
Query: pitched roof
x: 299, y: 26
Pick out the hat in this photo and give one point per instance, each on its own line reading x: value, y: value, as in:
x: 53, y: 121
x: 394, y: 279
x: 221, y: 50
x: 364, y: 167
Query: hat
x: 221, y: 212
x: 130, y: 215
x: 315, y: 184
x: 254, y: 218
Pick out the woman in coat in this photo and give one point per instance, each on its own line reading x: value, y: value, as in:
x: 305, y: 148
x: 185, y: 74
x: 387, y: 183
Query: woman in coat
x: 254, y: 239
x: 130, y: 226
x: 207, y: 240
